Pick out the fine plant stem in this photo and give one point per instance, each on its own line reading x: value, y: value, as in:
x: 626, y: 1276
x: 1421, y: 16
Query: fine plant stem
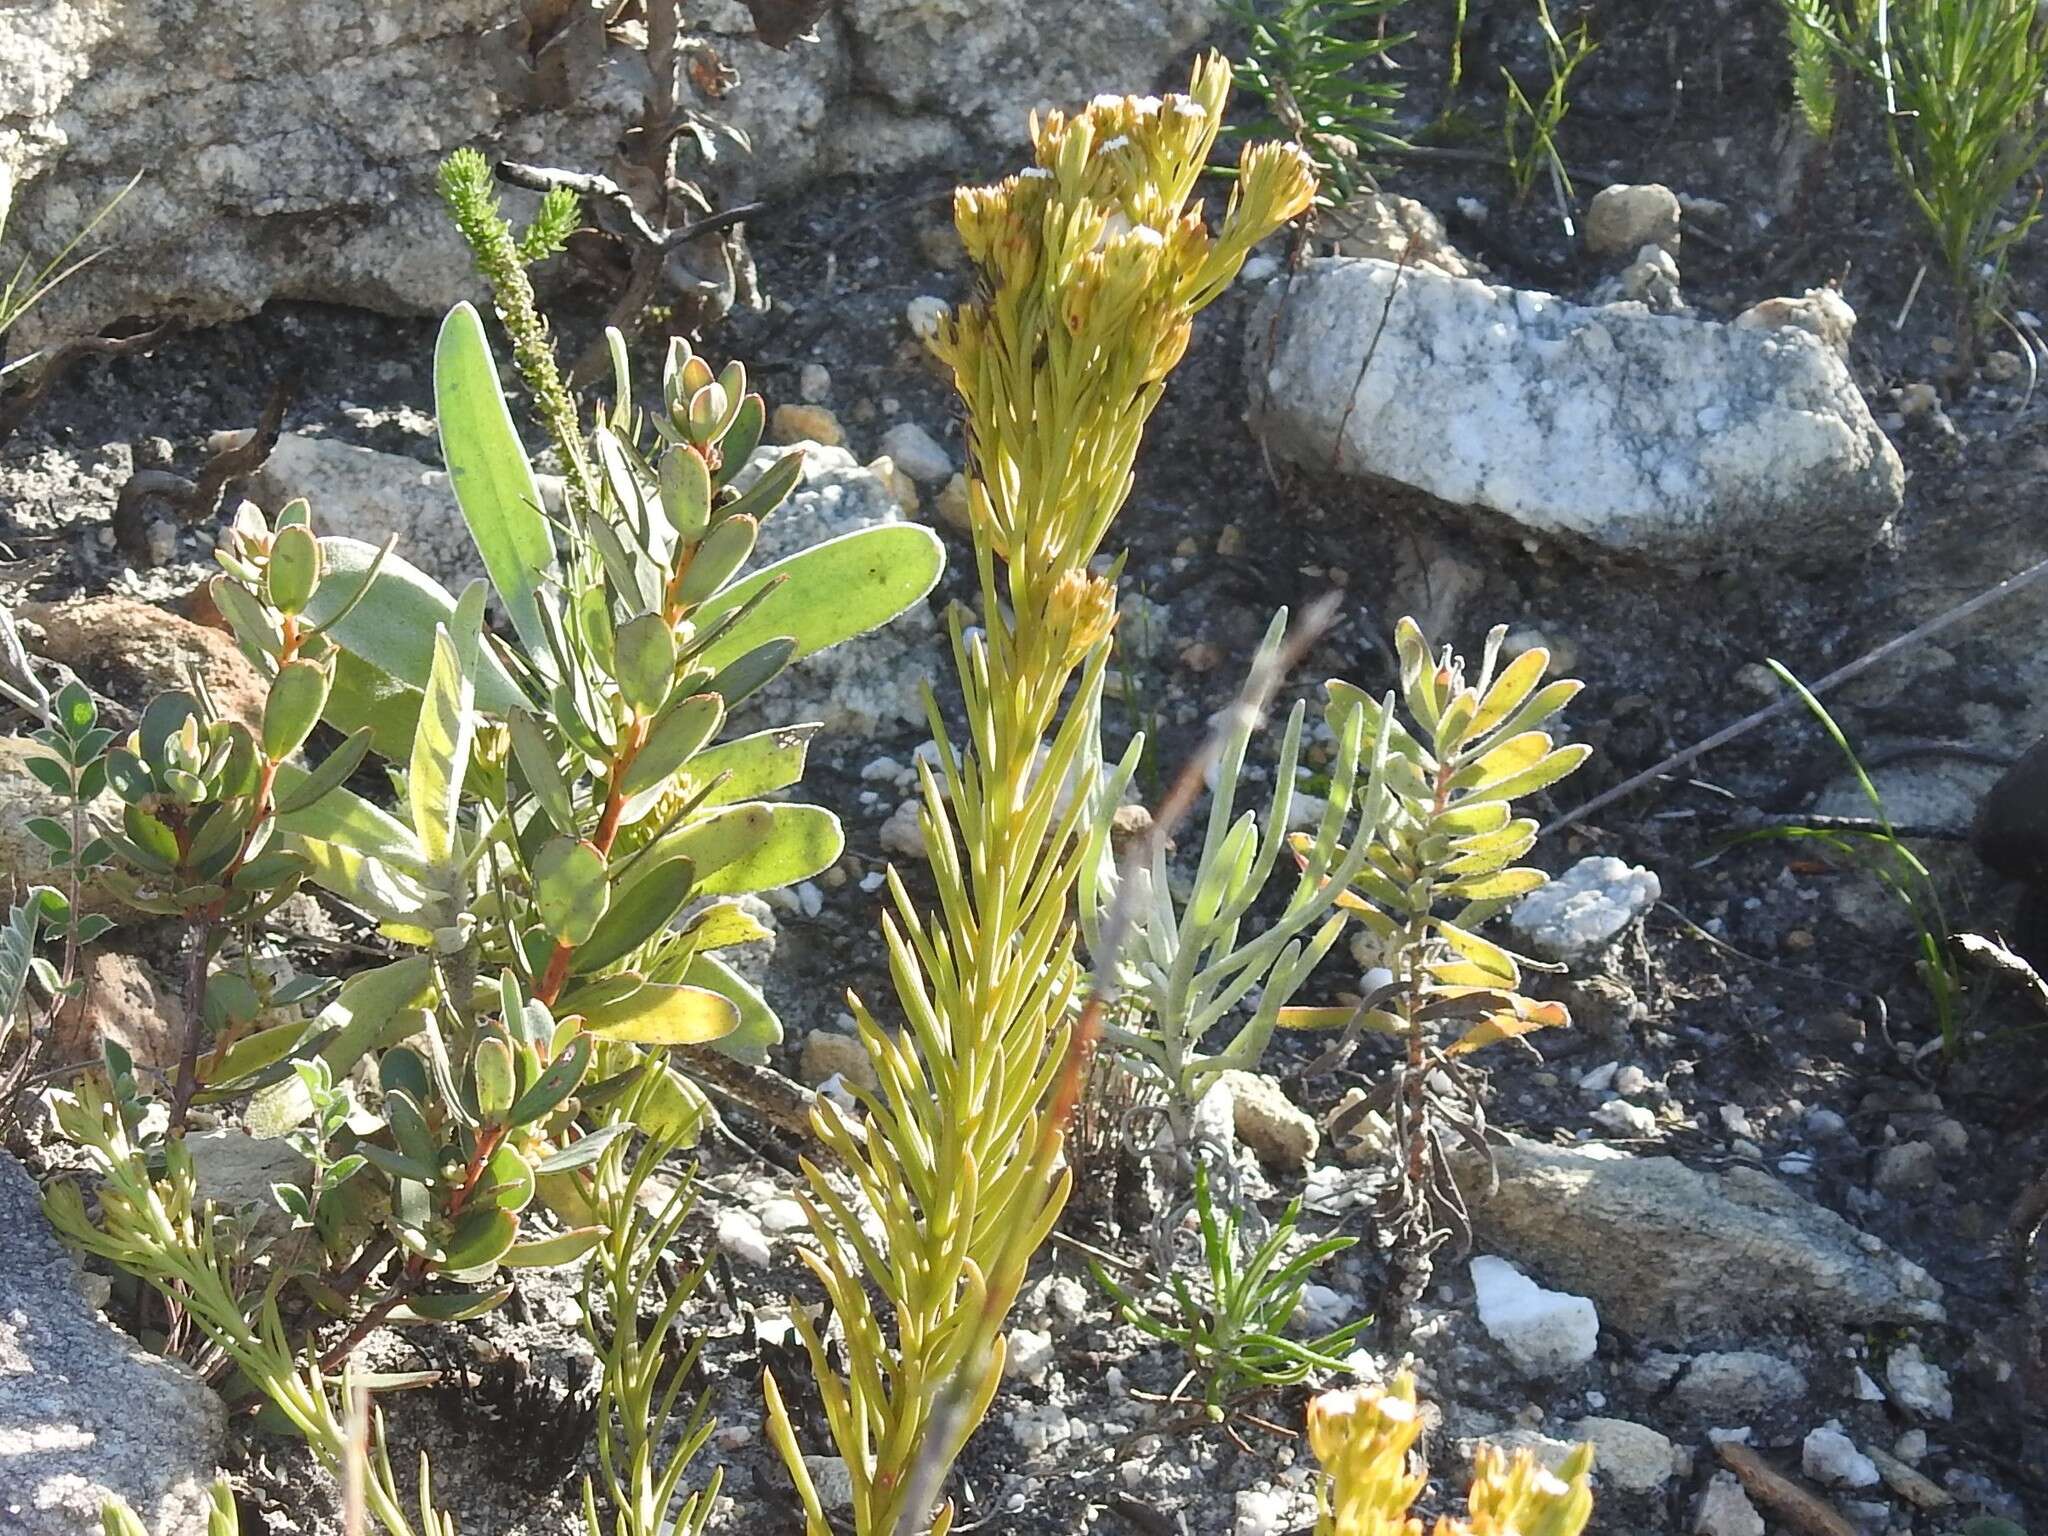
x: 198, y: 952
x: 1895, y: 865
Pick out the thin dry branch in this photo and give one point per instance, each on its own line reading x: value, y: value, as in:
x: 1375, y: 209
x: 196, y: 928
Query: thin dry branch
x: 15, y: 408
x: 1792, y: 701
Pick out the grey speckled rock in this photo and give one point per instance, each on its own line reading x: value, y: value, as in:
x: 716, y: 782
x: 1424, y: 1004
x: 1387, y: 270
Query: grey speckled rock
x: 370, y: 495
x: 872, y: 679
x: 1646, y: 434
x: 84, y: 1411
x: 1676, y: 1256
x: 290, y: 149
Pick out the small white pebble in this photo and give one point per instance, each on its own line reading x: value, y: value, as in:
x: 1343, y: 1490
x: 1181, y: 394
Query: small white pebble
x: 740, y: 1235
x: 901, y: 833
x: 1625, y: 1119
x: 925, y: 314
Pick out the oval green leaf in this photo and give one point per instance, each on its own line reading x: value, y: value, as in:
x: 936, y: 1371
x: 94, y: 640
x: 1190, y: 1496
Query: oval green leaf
x: 294, y: 568
x: 677, y: 736
x: 644, y: 661
x: 481, y: 1237
x: 637, y: 913
x: 571, y: 888
x: 556, y: 1249
x: 392, y: 628
x: 724, y: 551
x: 335, y: 770
x: 658, y: 1014
x: 554, y: 1085
x: 298, y: 695
x: 828, y: 592
x: 493, y: 480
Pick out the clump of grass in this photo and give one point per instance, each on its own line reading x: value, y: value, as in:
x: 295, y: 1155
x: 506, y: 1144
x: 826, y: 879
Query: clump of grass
x: 30, y: 284
x: 1961, y: 83
x: 1232, y: 1327
x: 1529, y: 125
x: 1817, y: 33
x: 1968, y: 135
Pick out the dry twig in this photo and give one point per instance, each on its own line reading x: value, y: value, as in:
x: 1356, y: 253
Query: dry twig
x: 1791, y: 1501
x: 1792, y: 701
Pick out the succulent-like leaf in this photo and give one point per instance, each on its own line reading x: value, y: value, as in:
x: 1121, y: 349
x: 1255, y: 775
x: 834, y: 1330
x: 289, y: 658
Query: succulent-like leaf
x: 677, y: 735
x: 756, y: 846
x: 644, y: 661
x: 393, y: 626
x: 555, y: 1249
x: 560, y: 1080
x: 647, y: 904
x: 451, y: 1306
x: 769, y: 489
x: 582, y: 1152
x: 1525, y: 1018
x: 334, y: 770
x: 373, y: 1009
x: 748, y: 767
x: 493, y: 480
x: 758, y: 1029
x: 685, y: 488
x: 655, y: 1013
x: 293, y: 570
x: 724, y: 924
x: 748, y: 674
x: 828, y: 592
x: 253, y: 1053
x: 571, y: 887
x: 366, y: 697
x: 481, y: 1238
x: 509, y: 1179
x: 298, y: 696
x: 440, y: 752
x: 543, y: 773
x: 496, y: 1081
x: 17, y: 950
x: 724, y: 551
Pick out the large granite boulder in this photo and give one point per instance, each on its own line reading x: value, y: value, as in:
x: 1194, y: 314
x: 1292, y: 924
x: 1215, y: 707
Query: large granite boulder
x: 1658, y: 436
x: 289, y: 150
x: 85, y: 1412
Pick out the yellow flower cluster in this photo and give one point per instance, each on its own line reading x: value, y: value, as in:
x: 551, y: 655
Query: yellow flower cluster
x: 1521, y: 1497
x: 1094, y: 265
x: 1363, y: 1437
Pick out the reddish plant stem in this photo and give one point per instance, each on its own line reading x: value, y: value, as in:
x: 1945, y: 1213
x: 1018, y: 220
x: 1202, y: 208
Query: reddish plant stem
x: 417, y: 1266
x: 337, y: 1354
x: 557, y: 972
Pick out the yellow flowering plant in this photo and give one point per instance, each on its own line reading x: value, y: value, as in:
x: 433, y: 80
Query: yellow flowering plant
x: 1093, y: 264
x: 1362, y: 1438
